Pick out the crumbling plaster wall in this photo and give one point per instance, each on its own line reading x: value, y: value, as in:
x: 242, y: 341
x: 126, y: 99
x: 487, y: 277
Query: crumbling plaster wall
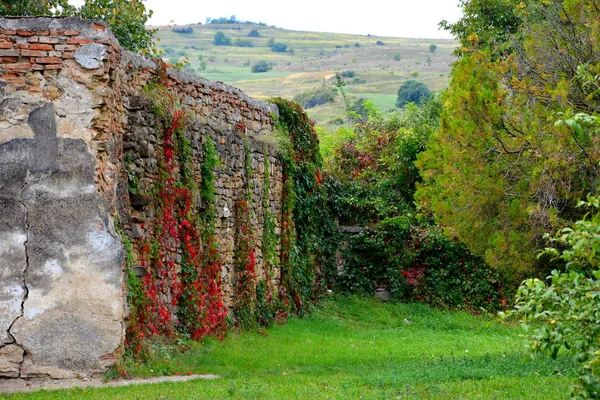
x: 73, y: 122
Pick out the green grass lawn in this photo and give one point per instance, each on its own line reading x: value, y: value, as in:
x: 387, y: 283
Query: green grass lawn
x: 352, y: 348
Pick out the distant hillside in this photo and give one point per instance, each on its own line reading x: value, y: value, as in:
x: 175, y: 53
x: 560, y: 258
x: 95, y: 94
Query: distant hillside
x: 377, y: 65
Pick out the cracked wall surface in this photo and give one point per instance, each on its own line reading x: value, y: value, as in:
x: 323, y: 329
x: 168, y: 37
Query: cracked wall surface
x: 61, y: 286
x: 58, y: 258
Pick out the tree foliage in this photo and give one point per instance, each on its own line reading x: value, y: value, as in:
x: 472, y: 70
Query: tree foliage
x: 412, y: 91
x: 35, y: 7
x: 564, y: 313
x: 315, y: 97
x: 126, y: 18
x: 221, y: 39
x: 499, y: 172
x: 261, y: 66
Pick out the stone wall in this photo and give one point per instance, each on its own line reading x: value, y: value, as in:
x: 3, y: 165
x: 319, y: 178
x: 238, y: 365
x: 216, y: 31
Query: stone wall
x: 74, y: 124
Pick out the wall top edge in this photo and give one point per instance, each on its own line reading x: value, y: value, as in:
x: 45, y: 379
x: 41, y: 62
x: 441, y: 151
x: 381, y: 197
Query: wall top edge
x: 99, y: 31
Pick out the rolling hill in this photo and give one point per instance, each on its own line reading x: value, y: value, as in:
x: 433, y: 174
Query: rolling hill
x: 377, y: 66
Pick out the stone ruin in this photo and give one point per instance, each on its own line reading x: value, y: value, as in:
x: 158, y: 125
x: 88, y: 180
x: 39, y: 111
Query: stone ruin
x: 73, y: 123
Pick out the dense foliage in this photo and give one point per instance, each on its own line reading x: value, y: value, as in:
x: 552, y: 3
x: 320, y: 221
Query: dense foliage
x: 500, y: 172
x: 416, y: 262
x: 261, y: 66
x: 400, y: 250
x: 126, y: 18
x: 564, y: 313
x: 412, y: 91
x: 308, y: 242
x: 315, y: 97
x: 221, y: 39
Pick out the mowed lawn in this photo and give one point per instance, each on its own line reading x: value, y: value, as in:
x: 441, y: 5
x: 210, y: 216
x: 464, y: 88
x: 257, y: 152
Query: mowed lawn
x: 352, y: 348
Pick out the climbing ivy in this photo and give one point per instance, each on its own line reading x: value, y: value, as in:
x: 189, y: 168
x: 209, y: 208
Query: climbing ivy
x: 308, y: 240
x: 181, y: 289
x: 245, y: 266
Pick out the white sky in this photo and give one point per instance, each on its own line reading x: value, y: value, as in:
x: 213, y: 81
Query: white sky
x: 397, y: 18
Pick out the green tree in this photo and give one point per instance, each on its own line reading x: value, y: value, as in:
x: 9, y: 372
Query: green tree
x: 261, y: 66
x: 36, y: 7
x: 279, y: 47
x: 432, y: 48
x: 412, y: 91
x: 499, y: 173
x: 254, y: 33
x: 126, y: 19
x: 221, y: 39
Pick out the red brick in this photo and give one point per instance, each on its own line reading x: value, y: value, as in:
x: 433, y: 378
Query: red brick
x: 72, y: 33
x: 9, y: 32
x: 37, y: 67
x: 33, y: 39
x: 17, y: 67
x: 5, y: 45
x: 9, y: 53
x: 10, y: 59
x: 43, y: 33
x: 41, y: 47
x: 54, y: 66
x: 34, y: 89
x: 65, y: 47
x: 34, y: 53
x: 22, y: 32
x: 52, y: 40
x: 68, y: 54
x: 56, y: 33
x: 48, y: 60
x: 22, y: 45
x: 79, y: 41
x: 16, y: 81
x: 98, y: 27
x: 8, y: 76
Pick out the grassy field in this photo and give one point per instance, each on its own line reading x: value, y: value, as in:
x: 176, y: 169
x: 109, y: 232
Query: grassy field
x: 379, y: 69
x: 352, y: 348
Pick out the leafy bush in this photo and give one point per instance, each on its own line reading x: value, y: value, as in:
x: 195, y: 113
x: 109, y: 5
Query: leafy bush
x: 348, y: 74
x: 397, y: 57
x: 244, y: 43
x: 261, y: 66
x: 315, y: 97
x: 564, y: 313
x: 221, y: 39
x: 254, y: 33
x: 279, y: 47
x: 432, y: 48
x: 185, y: 30
x: 412, y: 91
x: 418, y: 263
x: 380, y: 43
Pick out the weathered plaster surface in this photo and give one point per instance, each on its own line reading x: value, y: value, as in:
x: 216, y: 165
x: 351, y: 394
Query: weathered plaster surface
x: 61, y: 287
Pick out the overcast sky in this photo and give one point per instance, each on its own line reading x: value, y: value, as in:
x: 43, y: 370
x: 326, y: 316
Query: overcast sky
x: 397, y: 18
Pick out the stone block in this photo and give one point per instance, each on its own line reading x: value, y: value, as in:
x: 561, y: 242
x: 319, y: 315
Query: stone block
x: 11, y: 357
